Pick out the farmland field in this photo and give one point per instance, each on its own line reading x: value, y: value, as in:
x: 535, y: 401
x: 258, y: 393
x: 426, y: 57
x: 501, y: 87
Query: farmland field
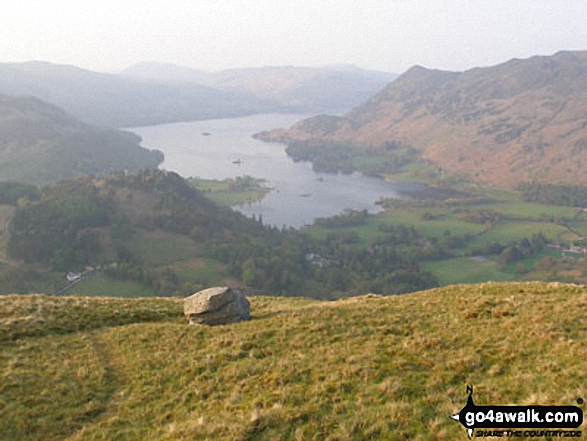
x: 466, y: 270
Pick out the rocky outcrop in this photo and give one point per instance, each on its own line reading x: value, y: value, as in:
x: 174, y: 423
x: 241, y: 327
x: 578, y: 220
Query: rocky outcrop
x: 216, y: 306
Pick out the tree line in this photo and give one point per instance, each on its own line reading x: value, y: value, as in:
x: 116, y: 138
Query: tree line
x: 565, y: 195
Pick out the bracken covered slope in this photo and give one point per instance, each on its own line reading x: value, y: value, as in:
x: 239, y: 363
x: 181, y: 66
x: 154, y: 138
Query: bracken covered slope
x: 518, y: 121
x: 370, y: 367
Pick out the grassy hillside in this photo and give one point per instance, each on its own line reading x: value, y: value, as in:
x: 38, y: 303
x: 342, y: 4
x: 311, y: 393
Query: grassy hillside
x: 361, y: 368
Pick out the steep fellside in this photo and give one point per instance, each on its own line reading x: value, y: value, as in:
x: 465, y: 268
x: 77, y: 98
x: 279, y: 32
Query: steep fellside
x: 519, y: 121
x: 365, y: 368
x: 40, y: 143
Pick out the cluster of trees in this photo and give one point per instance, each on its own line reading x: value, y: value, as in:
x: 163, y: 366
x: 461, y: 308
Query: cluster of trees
x: 479, y: 216
x: 341, y: 266
x: 27, y: 278
x: 245, y: 183
x: 349, y: 218
x: 12, y: 192
x: 334, y: 157
x: 179, y: 208
x: 523, y: 249
x: 88, y: 222
x: 388, y: 264
x: 57, y: 231
x: 326, y: 157
x: 566, y: 195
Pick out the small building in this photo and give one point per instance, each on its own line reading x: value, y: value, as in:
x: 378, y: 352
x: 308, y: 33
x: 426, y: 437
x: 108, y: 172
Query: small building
x: 72, y: 277
x: 315, y: 259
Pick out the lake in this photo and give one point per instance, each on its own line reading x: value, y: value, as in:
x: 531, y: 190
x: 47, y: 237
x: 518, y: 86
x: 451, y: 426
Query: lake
x: 224, y: 148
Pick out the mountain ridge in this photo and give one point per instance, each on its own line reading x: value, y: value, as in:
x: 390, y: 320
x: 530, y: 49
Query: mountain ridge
x: 113, y: 100
x: 522, y: 120
x: 299, y: 88
x: 168, y: 93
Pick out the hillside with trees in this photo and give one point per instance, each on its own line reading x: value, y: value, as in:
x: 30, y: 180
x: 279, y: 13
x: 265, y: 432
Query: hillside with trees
x: 156, y: 230
x: 40, y: 143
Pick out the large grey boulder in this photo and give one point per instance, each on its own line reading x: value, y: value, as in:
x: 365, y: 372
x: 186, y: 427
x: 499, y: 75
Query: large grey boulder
x: 216, y: 306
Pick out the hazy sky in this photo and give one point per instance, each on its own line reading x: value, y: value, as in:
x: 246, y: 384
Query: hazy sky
x: 389, y: 35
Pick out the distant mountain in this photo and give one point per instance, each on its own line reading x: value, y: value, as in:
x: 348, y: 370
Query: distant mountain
x: 155, y: 93
x: 40, y: 143
x: 154, y: 70
x: 297, y: 89
x: 518, y: 121
x: 121, y: 101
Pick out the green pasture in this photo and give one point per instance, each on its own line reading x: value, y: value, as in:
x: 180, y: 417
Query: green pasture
x: 229, y: 199
x: 466, y: 270
x: 220, y: 193
x: 103, y: 286
x: 201, y: 271
x: 162, y: 248
x: 527, y: 210
x: 506, y: 232
x: 444, y: 221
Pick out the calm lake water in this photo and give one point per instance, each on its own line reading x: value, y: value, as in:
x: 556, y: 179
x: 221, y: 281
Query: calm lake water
x: 300, y: 195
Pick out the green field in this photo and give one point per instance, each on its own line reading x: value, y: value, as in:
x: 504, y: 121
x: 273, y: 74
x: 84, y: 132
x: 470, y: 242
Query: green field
x: 531, y: 261
x: 102, y: 286
x: 445, y: 221
x: 466, y: 270
x: 222, y: 193
x: 414, y: 172
x: 409, y: 217
x: 161, y: 248
x: 526, y: 210
x: 507, y: 232
x: 206, y: 272
x: 508, y: 221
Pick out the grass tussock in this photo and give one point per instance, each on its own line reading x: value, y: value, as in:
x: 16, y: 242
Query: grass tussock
x: 369, y: 367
